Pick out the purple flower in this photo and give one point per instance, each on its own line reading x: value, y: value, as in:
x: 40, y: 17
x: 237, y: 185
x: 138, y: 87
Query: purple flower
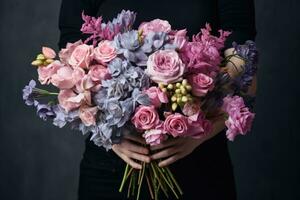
x: 62, y: 117
x: 29, y: 94
x: 44, y: 111
x: 249, y: 53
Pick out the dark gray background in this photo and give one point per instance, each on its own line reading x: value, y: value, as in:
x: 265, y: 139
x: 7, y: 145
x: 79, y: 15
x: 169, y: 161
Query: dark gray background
x: 39, y: 161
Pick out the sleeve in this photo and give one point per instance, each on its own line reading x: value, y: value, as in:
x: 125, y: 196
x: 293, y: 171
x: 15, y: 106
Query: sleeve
x: 237, y: 16
x: 70, y: 20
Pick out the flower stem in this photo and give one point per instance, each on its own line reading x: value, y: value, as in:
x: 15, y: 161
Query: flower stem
x: 141, y: 181
x: 174, y: 180
x: 124, y: 178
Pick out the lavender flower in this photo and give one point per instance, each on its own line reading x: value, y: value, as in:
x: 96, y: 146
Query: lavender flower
x: 29, y: 94
x: 44, y: 111
x: 62, y: 117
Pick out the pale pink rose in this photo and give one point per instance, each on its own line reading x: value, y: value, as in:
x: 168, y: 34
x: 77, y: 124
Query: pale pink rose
x: 63, y: 79
x: 190, y: 109
x: 88, y: 115
x: 45, y: 73
x: 165, y: 66
x: 66, y: 53
x: 155, y: 136
x: 78, y: 74
x: 239, y: 123
x: 198, y: 126
x: 176, y: 125
x: 82, y: 56
x: 64, y: 100
x: 48, y: 52
x: 145, y: 118
x: 156, y: 25
x: 201, y: 84
x: 85, y: 84
x: 157, y: 97
x: 105, y: 52
x: 82, y: 98
x: 99, y: 73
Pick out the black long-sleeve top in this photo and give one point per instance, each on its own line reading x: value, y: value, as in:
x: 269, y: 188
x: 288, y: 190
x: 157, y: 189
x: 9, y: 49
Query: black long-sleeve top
x: 231, y: 15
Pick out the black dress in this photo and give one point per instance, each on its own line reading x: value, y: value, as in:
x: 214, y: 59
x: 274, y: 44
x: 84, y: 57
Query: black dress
x: 207, y: 173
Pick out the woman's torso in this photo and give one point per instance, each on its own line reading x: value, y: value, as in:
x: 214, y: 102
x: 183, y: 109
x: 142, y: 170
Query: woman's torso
x: 190, y: 14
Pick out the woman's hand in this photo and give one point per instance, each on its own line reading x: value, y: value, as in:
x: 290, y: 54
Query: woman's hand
x: 174, y: 149
x: 130, y: 149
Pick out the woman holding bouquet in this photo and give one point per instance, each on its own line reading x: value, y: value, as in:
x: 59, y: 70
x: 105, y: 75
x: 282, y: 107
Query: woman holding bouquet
x: 202, y: 166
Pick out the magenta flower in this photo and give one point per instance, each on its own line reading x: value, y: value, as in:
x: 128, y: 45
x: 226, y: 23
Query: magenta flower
x: 203, y: 53
x: 240, y: 118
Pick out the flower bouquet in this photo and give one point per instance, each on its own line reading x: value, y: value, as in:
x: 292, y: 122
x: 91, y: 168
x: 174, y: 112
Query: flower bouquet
x: 153, y: 81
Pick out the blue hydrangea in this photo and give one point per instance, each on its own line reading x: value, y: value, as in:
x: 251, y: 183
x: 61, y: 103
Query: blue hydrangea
x: 62, y: 117
x: 125, y: 20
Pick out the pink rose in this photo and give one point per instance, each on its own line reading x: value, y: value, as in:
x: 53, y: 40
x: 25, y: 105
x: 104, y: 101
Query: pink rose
x: 190, y: 109
x: 99, y: 73
x: 105, y: 52
x: 176, y: 125
x: 82, y: 56
x: 45, y: 73
x: 66, y: 53
x: 145, y: 118
x: 64, y: 100
x: 165, y: 66
x: 240, y: 118
x: 63, y: 79
x: 88, y: 115
x: 155, y: 136
x: 201, y: 84
x: 156, y: 25
x: 157, y: 97
x: 48, y: 52
x: 198, y: 126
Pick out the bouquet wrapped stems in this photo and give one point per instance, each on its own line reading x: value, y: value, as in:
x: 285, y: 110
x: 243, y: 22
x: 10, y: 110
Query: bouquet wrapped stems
x: 157, y: 179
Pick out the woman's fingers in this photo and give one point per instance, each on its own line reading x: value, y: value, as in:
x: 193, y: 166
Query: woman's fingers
x: 169, y: 160
x: 134, y: 147
x: 165, y: 144
x: 138, y: 156
x: 135, y: 138
x: 116, y: 148
x: 165, y: 153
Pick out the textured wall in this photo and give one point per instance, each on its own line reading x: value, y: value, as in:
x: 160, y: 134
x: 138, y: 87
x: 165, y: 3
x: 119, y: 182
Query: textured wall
x: 39, y: 161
